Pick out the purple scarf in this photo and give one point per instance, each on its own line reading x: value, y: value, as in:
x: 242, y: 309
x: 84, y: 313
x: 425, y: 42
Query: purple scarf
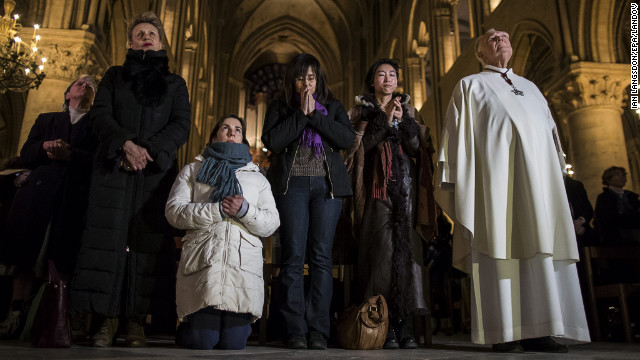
x: 310, y: 138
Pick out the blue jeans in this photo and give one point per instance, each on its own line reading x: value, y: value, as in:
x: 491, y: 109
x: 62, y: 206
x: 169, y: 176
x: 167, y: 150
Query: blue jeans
x: 209, y: 328
x: 307, y: 217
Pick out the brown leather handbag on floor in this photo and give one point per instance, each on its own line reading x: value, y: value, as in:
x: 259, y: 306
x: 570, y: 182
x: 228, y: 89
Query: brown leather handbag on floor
x: 364, y: 327
x: 51, y: 326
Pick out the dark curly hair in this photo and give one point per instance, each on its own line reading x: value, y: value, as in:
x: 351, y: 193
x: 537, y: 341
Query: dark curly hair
x: 611, y: 172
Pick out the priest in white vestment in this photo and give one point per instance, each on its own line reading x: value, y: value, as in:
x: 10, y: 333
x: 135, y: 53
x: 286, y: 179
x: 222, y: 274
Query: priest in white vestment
x: 500, y: 179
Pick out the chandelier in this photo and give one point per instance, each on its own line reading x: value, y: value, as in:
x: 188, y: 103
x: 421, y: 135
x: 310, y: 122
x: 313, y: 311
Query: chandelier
x: 19, y: 69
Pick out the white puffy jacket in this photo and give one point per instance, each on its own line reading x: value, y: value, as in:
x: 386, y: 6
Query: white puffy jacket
x: 221, y: 261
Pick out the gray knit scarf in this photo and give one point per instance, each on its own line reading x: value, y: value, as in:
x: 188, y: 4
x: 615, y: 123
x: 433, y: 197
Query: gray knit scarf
x: 218, y: 170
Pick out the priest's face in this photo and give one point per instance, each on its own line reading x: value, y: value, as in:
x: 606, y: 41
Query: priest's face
x: 495, y: 48
x: 385, y: 80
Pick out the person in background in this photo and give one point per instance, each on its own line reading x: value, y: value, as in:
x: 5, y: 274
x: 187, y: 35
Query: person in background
x: 305, y: 130
x: 12, y: 176
x: 500, y: 180
x: 47, y: 214
x: 226, y: 205
x: 141, y: 115
x: 581, y: 212
x: 617, y: 210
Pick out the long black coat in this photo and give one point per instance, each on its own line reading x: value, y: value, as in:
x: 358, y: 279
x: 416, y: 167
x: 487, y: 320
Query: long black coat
x: 618, y: 218
x: 580, y: 207
x: 55, y: 191
x: 126, y: 264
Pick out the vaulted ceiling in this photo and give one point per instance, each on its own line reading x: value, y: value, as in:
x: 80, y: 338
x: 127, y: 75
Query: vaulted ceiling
x: 270, y: 31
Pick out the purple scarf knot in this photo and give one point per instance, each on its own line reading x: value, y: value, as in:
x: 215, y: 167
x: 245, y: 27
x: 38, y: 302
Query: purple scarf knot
x: 311, y: 139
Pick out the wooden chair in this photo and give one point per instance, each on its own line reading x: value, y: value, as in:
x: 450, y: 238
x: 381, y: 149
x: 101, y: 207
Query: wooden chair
x: 594, y: 257
x: 460, y: 306
x: 269, y: 272
x: 422, y: 322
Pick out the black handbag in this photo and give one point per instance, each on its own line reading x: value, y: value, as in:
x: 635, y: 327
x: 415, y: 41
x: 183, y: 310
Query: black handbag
x: 51, y: 327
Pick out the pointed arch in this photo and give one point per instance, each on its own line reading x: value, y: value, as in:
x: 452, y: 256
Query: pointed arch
x: 534, y: 53
x: 272, y: 34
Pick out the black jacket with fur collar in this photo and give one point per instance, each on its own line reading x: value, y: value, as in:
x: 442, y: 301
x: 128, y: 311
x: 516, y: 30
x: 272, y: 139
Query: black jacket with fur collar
x: 128, y: 248
x: 378, y: 128
x: 143, y: 102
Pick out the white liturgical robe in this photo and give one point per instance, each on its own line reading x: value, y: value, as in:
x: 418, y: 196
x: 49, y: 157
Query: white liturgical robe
x: 499, y: 177
x: 501, y: 152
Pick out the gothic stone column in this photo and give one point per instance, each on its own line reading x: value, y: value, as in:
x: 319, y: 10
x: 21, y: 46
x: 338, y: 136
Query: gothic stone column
x: 261, y: 111
x: 590, y: 99
x: 197, y: 135
x: 69, y: 53
x: 446, y: 40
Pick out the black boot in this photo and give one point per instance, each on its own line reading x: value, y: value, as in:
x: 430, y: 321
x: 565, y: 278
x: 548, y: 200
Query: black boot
x: 135, y: 332
x: 392, y: 342
x: 317, y: 341
x: 107, y: 332
x: 405, y: 334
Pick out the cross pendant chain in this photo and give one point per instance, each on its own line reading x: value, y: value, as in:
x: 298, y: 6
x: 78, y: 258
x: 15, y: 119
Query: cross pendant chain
x: 514, y: 90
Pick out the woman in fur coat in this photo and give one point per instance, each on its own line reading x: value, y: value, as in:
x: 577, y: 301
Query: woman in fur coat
x: 141, y: 115
x: 388, y: 138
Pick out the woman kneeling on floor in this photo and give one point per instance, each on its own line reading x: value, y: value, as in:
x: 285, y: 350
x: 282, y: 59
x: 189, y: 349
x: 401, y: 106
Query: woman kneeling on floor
x: 225, y: 204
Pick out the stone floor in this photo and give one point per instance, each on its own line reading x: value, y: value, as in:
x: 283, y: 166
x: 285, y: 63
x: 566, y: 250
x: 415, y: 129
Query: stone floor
x: 456, y: 347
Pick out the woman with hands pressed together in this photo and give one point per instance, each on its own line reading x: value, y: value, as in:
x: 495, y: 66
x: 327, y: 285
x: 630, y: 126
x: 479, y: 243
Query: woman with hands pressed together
x: 305, y: 130
x: 225, y: 204
x: 388, y: 137
x: 141, y: 115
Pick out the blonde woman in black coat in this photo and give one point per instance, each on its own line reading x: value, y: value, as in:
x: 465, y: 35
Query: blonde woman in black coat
x: 141, y: 115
